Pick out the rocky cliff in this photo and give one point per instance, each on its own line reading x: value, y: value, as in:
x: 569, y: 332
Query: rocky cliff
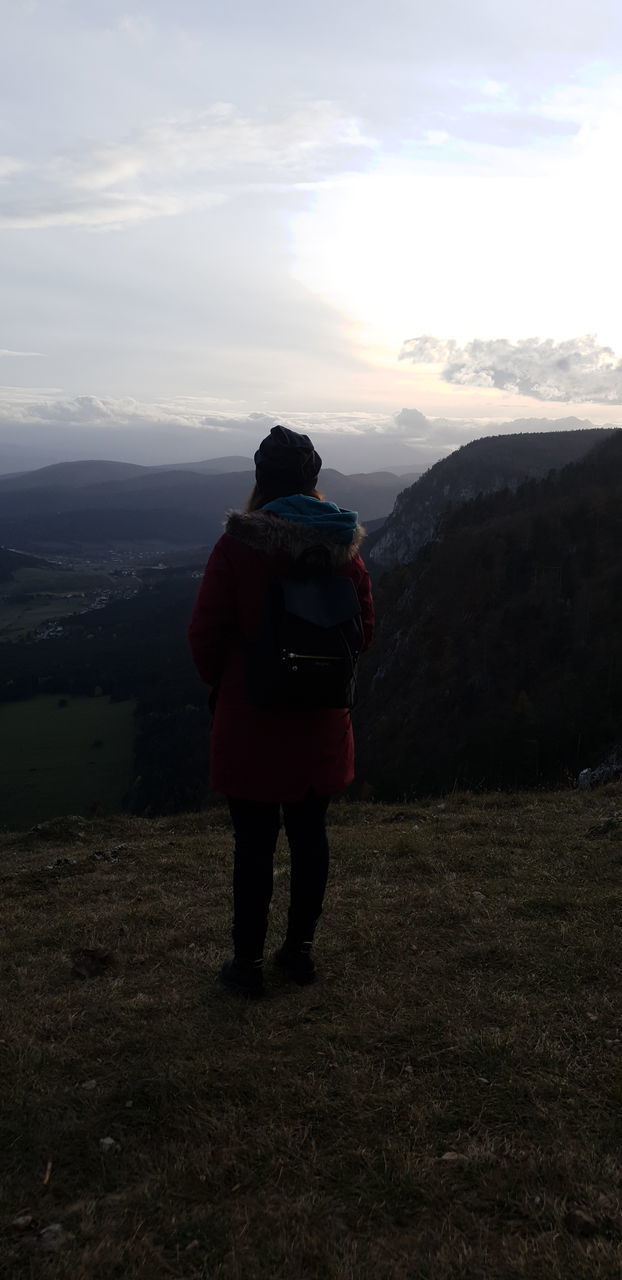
x: 481, y: 467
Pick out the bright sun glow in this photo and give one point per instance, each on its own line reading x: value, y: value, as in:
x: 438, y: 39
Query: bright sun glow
x: 531, y: 250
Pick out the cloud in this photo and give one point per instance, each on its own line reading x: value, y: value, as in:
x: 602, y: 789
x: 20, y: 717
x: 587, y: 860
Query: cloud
x: 136, y: 27
x: 512, y: 129
x: 50, y: 408
x: 492, y: 88
x: 45, y: 425
x: 6, y: 351
x: 94, y: 411
x: 222, y: 141
x: 39, y: 427
x: 186, y: 162
x: 577, y: 370
x: 24, y: 408
x: 28, y: 407
x: 9, y: 166
x: 411, y: 422
x: 106, y: 211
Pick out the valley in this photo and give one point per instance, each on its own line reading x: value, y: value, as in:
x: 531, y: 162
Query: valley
x: 37, y: 596
x: 34, y: 598
x: 496, y: 659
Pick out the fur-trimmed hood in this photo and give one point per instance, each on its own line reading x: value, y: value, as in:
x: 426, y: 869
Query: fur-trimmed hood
x: 278, y: 536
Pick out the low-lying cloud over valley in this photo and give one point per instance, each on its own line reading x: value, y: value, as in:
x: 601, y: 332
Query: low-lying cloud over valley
x: 51, y: 427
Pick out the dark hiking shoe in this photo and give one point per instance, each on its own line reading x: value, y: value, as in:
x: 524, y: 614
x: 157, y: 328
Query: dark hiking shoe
x: 245, y: 977
x: 296, y: 962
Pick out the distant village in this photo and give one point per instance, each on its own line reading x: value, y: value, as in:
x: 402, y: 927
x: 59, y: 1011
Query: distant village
x: 132, y: 568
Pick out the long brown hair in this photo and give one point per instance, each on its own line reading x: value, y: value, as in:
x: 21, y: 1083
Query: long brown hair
x: 257, y: 500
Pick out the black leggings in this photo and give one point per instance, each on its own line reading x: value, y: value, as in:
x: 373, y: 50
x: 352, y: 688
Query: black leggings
x: 256, y: 824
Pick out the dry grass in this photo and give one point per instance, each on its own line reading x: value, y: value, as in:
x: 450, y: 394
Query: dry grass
x: 446, y: 1103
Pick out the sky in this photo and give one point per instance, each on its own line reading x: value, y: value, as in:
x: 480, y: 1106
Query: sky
x: 394, y: 226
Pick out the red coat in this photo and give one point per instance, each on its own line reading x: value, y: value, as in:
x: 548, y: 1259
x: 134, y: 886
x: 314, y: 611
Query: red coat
x: 258, y: 753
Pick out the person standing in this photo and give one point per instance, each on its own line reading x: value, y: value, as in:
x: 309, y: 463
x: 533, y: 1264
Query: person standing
x: 264, y: 758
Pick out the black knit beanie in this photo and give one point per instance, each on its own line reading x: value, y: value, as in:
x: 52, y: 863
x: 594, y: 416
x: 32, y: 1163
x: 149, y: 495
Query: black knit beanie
x: 286, y: 463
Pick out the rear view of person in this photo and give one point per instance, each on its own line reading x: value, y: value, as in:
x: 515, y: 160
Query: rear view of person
x: 266, y: 751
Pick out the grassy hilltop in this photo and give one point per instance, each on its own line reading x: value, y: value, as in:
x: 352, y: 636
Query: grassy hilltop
x: 446, y: 1103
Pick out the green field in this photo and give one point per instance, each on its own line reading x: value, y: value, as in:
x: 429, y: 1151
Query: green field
x: 57, y: 580
x: 49, y: 763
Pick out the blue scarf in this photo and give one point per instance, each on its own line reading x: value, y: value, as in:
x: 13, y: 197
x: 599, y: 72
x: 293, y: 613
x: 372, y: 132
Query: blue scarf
x: 326, y: 517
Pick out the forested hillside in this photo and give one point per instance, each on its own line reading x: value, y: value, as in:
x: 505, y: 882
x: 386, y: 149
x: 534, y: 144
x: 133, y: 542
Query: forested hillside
x: 498, y: 657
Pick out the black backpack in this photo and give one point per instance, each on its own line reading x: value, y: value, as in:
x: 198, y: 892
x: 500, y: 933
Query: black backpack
x: 310, y: 638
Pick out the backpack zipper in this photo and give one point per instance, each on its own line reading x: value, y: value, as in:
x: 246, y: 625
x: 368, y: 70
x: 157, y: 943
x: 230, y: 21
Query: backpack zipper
x: 325, y: 657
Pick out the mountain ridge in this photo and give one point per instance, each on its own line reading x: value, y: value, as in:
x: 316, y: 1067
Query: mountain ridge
x: 84, y: 471
x: 109, y: 503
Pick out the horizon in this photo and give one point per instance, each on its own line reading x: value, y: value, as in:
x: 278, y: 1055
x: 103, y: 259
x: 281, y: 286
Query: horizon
x: 392, y: 229
x: 140, y: 449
